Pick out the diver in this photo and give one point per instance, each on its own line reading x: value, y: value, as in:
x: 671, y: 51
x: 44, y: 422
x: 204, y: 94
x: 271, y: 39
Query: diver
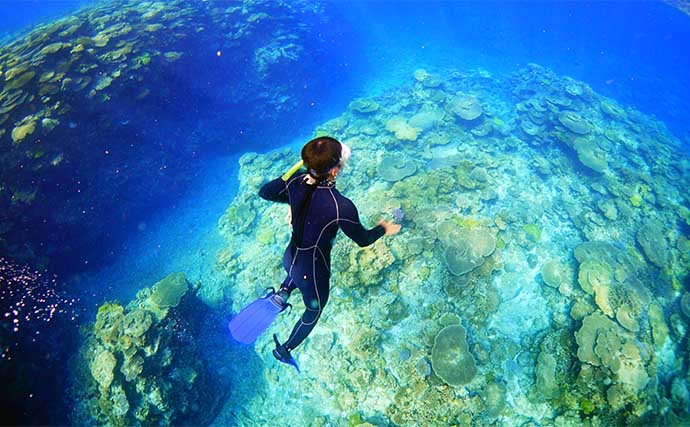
x: 318, y: 211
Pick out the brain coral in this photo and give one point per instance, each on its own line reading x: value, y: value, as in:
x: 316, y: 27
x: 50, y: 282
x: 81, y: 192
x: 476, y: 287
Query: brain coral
x: 451, y: 358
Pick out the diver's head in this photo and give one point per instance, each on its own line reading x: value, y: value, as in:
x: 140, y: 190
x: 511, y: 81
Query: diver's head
x: 324, y: 156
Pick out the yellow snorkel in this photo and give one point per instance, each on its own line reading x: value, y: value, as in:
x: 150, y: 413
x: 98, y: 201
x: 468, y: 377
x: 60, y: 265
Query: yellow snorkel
x: 292, y: 170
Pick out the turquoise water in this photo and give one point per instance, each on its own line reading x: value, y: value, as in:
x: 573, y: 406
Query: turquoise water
x: 535, y: 155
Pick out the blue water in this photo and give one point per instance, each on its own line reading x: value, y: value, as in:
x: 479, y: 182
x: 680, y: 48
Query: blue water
x: 156, y: 199
x: 21, y: 15
x: 635, y: 52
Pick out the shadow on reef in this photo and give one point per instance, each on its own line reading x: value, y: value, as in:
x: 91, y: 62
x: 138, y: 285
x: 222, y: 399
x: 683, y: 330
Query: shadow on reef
x: 163, y: 359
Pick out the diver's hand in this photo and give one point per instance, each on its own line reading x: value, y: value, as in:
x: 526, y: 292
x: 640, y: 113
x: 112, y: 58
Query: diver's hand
x: 390, y: 227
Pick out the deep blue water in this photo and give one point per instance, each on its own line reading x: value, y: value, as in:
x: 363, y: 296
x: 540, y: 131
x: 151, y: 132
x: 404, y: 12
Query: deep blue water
x: 21, y: 15
x: 634, y: 52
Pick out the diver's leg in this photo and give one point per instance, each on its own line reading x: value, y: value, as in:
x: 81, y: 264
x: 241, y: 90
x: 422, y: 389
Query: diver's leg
x: 315, y: 297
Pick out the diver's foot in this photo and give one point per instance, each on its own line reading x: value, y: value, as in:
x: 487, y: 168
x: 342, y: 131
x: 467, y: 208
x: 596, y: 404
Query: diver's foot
x: 282, y: 354
x: 279, y: 299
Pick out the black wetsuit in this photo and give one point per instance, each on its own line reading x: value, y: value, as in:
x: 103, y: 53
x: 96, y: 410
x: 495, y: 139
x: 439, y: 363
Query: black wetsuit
x: 318, y: 211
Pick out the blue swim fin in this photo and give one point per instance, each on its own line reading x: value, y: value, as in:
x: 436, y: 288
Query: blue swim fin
x: 255, y: 318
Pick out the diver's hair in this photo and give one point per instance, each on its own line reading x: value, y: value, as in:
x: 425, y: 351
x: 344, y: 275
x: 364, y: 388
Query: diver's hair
x: 321, y: 154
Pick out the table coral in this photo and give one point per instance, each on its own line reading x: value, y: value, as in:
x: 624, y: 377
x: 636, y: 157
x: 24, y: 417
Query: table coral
x: 602, y: 343
x: 651, y: 238
x: 396, y: 166
x: 591, y: 155
x: 402, y: 129
x: 168, y: 292
x: 574, y: 122
x: 363, y: 105
x: 553, y: 273
x: 451, y: 358
x: 468, y: 249
x: 466, y: 107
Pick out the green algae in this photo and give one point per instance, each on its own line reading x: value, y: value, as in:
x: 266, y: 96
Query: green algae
x: 533, y: 232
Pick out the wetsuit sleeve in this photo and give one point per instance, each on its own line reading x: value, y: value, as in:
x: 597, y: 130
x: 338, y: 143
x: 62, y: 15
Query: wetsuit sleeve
x: 349, y: 223
x: 275, y: 191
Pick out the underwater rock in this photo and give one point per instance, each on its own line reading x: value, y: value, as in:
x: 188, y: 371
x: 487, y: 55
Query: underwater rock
x: 451, y: 358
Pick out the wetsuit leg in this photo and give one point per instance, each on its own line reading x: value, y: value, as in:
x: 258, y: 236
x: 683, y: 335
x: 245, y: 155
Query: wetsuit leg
x: 315, y: 297
x: 311, y: 274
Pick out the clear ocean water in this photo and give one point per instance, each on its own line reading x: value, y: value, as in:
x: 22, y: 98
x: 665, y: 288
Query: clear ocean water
x: 535, y: 154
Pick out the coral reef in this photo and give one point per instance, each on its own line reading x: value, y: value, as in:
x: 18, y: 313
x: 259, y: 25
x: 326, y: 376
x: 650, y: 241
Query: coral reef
x: 545, y: 216
x: 143, y: 364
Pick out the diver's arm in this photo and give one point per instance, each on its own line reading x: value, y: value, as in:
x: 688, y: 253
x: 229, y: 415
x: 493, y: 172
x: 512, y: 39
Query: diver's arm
x: 275, y: 191
x: 349, y: 223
